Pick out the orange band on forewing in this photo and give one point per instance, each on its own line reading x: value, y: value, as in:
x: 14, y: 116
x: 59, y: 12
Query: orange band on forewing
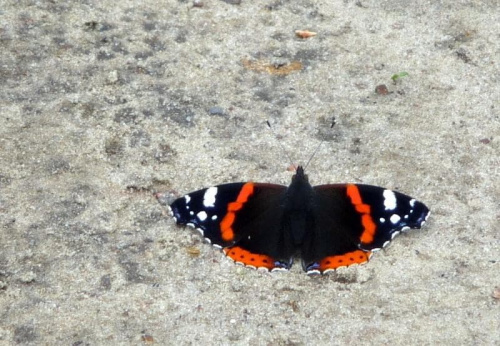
x: 369, y: 227
x: 363, y: 208
x: 353, y: 193
x: 226, y: 225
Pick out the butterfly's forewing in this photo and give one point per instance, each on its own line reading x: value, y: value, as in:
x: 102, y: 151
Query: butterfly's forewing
x: 199, y: 210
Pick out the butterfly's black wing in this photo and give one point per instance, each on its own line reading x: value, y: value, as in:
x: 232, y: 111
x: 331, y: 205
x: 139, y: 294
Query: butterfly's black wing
x: 242, y: 218
x: 350, y: 220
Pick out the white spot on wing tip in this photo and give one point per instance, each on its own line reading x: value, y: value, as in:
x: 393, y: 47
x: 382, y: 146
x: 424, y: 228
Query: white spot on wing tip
x: 202, y: 216
x: 209, y: 197
x: 390, y: 201
x: 395, y: 218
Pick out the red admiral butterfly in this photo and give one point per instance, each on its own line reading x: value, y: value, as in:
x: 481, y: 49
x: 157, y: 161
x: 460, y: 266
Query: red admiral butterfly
x: 265, y: 225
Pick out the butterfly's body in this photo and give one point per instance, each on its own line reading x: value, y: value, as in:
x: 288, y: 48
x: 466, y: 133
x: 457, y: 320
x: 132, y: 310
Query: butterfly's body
x: 329, y: 226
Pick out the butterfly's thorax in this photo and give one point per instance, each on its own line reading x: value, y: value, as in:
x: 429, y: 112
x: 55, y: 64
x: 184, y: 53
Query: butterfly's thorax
x: 297, y: 206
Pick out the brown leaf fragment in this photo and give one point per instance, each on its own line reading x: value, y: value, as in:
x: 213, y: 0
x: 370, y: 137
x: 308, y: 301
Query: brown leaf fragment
x: 305, y: 33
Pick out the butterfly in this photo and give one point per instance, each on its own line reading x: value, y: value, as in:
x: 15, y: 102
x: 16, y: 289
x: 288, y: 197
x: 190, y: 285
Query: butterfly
x: 329, y: 226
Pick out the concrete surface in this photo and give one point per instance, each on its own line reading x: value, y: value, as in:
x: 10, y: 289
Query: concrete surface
x: 103, y: 104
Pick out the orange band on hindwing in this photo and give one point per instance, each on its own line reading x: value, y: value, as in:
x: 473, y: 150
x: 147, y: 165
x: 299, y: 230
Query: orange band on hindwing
x: 226, y: 225
x: 347, y: 259
x: 240, y: 255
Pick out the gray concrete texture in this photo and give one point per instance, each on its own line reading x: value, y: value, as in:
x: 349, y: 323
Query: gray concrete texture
x: 106, y: 104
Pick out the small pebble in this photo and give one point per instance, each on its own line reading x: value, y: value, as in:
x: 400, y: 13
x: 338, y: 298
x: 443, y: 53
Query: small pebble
x: 381, y: 89
x: 216, y: 110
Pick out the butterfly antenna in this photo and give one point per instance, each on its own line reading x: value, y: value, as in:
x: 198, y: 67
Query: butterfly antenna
x: 279, y: 142
x: 319, y: 146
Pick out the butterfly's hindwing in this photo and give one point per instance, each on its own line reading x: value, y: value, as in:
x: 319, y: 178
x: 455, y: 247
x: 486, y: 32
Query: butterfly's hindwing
x: 334, y: 226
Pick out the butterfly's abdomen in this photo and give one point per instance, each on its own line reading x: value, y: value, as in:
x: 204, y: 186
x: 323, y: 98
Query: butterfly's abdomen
x: 297, y: 209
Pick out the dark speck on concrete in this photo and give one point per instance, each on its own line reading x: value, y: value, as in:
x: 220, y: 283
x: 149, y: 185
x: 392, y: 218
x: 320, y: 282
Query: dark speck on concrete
x: 155, y: 43
x: 140, y: 138
x: 143, y: 55
x: 113, y: 146
x: 105, y: 282
x: 126, y: 115
x: 58, y: 165
x: 182, y: 116
x: 181, y: 36
x: 149, y: 26
x: 164, y: 153
x: 103, y: 55
x: 25, y: 334
x: 216, y: 111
